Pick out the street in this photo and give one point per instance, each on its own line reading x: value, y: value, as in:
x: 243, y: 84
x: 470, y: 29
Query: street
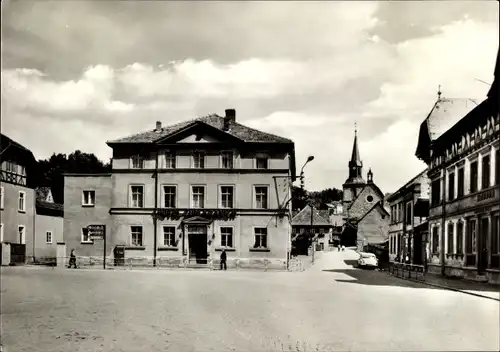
x: 342, y: 309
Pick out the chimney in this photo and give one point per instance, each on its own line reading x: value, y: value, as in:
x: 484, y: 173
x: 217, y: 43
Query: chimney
x: 158, y: 126
x: 229, y: 119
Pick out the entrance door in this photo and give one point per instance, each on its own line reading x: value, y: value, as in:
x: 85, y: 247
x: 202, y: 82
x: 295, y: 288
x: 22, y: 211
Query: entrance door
x: 198, y: 251
x: 482, y: 246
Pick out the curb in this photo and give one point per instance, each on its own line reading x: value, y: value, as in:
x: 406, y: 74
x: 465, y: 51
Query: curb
x: 447, y: 288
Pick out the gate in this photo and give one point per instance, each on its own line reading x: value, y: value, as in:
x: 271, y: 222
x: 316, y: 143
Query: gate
x: 17, y: 253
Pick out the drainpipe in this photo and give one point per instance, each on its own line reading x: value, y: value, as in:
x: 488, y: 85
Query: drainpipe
x: 443, y: 215
x: 155, y: 211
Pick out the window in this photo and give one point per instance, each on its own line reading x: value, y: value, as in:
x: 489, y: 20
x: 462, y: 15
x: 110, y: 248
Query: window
x: 199, y: 160
x: 226, y: 237
x: 22, y: 234
x: 450, y: 238
x: 400, y: 211
x: 1, y: 197
x: 435, y: 239
x: 169, y: 196
x: 170, y: 160
x: 86, y: 236
x: 48, y: 237
x: 436, y: 192
x: 136, y: 232
x: 460, y: 237
x: 369, y: 198
x: 261, y: 197
x: 261, y: 162
x: 497, y: 168
x: 1, y: 232
x: 21, y: 206
x: 408, y: 213
x: 22, y: 170
x: 470, y: 244
x: 137, y: 196
x: 169, y: 236
x: 451, y: 186
x: 137, y: 162
x: 11, y: 166
x: 88, y: 198
x: 198, y: 196
x: 260, y: 237
x: 227, y: 197
x: 227, y: 160
x: 485, y: 179
x: 460, y: 181
x: 473, y: 177
x: 495, y: 234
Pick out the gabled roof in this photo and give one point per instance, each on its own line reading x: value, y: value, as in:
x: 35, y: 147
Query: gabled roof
x: 445, y: 113
x: 303, y: 218
x: 396, y: 194
x: 375, y: 187
x: 375, y: 206
x: 237, y: 130
x: 42, y: 193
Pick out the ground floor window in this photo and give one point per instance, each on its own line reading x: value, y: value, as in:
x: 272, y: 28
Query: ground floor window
x: 450, y: 238
x: 470, y: 244
x: 169, y: 236
x: 136, y: 232
x: 85, y: 235
x: 495, y: 242
x: 435, y: 239
x: 226, y: 237
x: 460, y: 237
x: 260, y: 237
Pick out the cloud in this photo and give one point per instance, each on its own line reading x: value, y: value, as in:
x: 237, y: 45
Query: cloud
x: 304, y: 70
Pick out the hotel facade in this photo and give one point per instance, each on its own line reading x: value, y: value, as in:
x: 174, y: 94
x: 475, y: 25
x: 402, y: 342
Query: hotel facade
x: 178, y: 195
x: 463, y: 169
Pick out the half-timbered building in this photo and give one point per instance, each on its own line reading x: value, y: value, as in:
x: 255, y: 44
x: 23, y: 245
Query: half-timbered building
x: 465, y: 189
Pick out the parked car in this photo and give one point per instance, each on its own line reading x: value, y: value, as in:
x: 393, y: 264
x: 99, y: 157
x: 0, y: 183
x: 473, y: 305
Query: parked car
x: 367, y: 260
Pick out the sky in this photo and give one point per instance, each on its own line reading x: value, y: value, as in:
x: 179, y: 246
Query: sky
x: 78, y: 73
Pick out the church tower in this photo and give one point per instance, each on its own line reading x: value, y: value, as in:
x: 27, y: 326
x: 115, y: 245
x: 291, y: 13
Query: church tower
x: 355, y: 183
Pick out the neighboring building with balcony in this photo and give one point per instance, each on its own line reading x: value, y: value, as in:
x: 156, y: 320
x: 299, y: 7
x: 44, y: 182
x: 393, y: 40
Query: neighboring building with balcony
x: 184, y: 192
x: 365, y: 216
x: 465, y: 189
x: 409, y: 207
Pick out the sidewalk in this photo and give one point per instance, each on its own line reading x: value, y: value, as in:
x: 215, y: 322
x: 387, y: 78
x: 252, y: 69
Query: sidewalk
x: 460, y: 285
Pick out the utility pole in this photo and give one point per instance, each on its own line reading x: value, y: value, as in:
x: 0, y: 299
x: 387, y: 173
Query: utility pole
x: 312, y: 232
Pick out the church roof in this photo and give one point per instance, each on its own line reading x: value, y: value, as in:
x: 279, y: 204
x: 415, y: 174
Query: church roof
x: 375, y: 187
x: 355, y: 159
x: 304, y: 218
x: 376, y: 205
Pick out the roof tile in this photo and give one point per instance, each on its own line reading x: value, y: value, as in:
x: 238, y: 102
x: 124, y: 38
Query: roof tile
x: 237, y: 130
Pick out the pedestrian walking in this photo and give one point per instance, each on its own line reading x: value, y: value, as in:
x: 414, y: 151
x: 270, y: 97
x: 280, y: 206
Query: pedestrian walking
x: 223, y: 258
x: 343, y: 248
x: 72, y: 259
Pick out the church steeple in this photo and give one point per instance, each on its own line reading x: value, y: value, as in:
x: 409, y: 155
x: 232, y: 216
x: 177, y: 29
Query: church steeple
x: 355, y: 164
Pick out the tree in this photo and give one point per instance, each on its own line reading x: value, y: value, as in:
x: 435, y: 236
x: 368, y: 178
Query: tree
x: 320, y: 199
x: 51, y: 171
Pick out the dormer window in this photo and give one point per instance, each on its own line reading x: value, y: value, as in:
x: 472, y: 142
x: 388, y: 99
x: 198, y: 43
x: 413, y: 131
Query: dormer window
x: 137, y: 162
x: 170, y: 160
x: 261, y: 162
x: 227, y: 160
x: 198, y: 160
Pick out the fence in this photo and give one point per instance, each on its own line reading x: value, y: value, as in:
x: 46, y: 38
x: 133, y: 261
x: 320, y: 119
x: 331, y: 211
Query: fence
x: 407, y: 271
x: 182, y: 262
